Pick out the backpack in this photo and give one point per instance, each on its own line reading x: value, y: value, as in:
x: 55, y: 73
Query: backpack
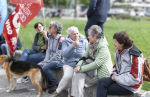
x: 146, y: 75
x: 59, y: 43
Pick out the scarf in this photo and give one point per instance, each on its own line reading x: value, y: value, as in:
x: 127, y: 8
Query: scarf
x: 93, y: 48
x: 40, y: 41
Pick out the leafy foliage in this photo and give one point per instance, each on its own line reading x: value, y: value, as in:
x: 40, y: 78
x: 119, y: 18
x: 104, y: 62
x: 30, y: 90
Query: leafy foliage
x: 53, y: 3
x: 120, y: 0
x: 85, y: 2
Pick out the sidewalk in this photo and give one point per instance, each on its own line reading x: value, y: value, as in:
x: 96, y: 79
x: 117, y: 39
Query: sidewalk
x: 22, y: 90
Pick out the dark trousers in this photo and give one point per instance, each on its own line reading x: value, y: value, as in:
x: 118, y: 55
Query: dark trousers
x: 91, y: 22
x: 47, y: 68
x: 106, y: 86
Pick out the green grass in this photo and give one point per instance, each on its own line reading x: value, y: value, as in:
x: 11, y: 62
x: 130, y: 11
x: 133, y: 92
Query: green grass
x: 139, y: 32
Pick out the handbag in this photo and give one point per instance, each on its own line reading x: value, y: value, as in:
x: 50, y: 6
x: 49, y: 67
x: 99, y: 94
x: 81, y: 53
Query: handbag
x: 92, y: 77
x: 146, y: 75
x: 91, y: 73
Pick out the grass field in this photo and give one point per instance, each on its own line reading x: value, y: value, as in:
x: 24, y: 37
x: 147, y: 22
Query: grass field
x: 139, y: 32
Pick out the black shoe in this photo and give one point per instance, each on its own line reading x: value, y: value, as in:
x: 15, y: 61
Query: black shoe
x: 52, y: 89
x: 50, y: 86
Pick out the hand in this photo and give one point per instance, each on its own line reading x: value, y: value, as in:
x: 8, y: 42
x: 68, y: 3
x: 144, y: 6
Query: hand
x: 44, y: 64
x: 78, y: 69
x: 113, y: 76
x: 76, y: 43
x: 45, y: 35
x: 44, y: 47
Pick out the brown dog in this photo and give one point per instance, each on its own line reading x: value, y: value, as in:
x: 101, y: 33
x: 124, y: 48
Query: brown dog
x: 16, y: 69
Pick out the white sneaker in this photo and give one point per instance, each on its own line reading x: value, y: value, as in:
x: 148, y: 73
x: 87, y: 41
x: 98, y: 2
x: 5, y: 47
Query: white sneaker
x: 23, y: 80
x: 19, y: 80
x: 54, y: 94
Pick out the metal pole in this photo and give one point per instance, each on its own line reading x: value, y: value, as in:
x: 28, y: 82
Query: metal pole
x: 56, y: 3
x: 43, y: 12
x: 75, y: 9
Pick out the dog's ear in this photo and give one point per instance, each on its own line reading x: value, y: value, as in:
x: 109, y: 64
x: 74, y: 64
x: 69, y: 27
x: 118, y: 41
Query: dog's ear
x: 2, y: 58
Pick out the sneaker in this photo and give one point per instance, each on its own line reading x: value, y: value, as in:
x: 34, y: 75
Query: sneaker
x: 19, y: 80
x: 55, y: 94
x: 52, y: 89
x: 23, y: 80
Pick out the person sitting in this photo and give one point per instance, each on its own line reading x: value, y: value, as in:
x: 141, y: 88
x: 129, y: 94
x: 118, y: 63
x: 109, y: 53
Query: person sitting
x: 2, y: 42
x: 73, y: 48
x: 39, y: 46
x: 127, y: 76
x: 95, y: 64
x: 53, y: 59
x: 4, y: 47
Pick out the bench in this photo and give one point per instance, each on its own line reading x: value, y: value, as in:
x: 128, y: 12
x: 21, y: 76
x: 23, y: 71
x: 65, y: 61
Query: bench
x: 88, y: 92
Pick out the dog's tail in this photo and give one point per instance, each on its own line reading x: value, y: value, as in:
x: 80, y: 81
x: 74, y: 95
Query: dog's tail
x: 44, y: 81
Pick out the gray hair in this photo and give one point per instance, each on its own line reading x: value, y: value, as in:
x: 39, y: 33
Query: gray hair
x: 57, y: 26
x: 72, y: 29
x: 95, y: 30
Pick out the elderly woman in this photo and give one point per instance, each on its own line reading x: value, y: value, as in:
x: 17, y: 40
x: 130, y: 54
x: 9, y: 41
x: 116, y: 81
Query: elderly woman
x: 73, y: 48
x: 53, y: 59
x: 128, y: 70
x: 98, y: 52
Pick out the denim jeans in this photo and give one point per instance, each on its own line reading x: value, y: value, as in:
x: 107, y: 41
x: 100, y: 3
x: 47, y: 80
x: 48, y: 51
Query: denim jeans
x: 106, y: 86
x: 31, y: 55
x: 4, y: 49
x: 47, y: 68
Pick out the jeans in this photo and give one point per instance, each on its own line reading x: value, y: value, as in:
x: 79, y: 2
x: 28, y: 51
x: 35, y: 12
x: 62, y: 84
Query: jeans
x: 91, y: 22
x: 106, y: 86
x: 47, y: 68
x: 31, y: 55
x: 4, y: 49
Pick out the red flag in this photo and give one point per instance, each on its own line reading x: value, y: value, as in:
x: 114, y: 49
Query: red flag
x: 11, y: 30
x: 28, y: 11
x: 24, y: 1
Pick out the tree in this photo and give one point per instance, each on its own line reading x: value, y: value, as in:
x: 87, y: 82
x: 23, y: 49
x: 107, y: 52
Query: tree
x: 54, y: 3
x: 119, y: 0
x: 48, y: 3
x: 85, y: 2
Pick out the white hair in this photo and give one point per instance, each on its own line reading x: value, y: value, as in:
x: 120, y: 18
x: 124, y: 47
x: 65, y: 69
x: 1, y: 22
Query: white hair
x: 72, y: 29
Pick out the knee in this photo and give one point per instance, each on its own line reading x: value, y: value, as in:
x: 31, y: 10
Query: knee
x: 102, y: 81
x: 45, y: 69
x: 26, y: 50
x: 67, y: 77
x: 3, y: 46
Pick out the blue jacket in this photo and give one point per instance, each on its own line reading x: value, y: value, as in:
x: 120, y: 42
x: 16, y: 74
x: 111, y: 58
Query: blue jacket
x: 98, y: 10
x: 72, y: 54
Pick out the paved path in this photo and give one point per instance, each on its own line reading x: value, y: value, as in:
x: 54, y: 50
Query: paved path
x: 22, y: 90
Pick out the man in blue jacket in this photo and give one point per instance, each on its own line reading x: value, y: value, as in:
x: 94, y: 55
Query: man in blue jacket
x: 97, y: 14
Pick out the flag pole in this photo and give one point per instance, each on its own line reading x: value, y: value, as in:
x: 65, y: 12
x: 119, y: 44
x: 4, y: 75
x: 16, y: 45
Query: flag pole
x: 43, y: 12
